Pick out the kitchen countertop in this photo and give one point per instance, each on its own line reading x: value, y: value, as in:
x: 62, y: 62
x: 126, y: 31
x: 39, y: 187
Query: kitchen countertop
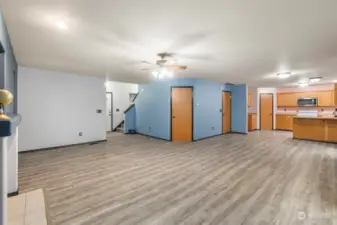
x: 315, y: 118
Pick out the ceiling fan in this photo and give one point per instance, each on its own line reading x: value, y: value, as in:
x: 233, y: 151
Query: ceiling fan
x: 166, y: 61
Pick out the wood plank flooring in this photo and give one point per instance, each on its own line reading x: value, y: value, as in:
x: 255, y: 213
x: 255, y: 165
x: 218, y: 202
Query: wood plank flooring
x: 262, y: 178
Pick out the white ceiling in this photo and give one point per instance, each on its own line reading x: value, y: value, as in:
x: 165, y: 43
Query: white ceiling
x: 235, y: 41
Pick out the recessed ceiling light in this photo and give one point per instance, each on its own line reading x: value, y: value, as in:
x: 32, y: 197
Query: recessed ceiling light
x: 315, y: 79
x: 334, y: 81
x: 62, y: 25
x: 283, y: 75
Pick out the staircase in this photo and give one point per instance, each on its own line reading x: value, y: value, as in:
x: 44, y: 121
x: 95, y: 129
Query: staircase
x: 120, y: 126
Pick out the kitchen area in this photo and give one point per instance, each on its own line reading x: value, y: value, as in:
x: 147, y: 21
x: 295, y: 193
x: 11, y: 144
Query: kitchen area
x: 308, y: 112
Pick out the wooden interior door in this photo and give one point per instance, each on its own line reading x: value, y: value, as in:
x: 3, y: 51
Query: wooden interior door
x: 182, y: 115
x: 226, y: 112
x: 266, y: 111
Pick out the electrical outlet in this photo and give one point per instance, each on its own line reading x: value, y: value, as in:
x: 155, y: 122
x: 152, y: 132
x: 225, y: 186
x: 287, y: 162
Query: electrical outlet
x: 149, y: 128
x: 212, y: 128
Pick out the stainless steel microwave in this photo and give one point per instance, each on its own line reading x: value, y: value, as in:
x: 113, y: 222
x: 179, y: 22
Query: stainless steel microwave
x: 307, y: 101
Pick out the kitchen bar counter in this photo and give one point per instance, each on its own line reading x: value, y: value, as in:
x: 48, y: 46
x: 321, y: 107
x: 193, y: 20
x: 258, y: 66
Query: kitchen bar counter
x: 316, y: 118
x: 315, y: 128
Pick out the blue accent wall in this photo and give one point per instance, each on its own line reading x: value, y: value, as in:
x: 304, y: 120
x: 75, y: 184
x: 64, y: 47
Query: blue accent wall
x: 153, y: 107
x: 130, y: 120
x: 239, y: 108
x: 153, y: 110
x: 8, y: 66
x: 207, y: 109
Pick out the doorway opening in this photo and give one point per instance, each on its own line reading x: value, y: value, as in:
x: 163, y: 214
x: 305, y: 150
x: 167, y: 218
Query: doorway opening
x: 109, y: 110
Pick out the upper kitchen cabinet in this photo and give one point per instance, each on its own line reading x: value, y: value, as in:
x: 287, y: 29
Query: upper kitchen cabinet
x: 249, y: 99
x: 286, y: 99
x: 325, y: 98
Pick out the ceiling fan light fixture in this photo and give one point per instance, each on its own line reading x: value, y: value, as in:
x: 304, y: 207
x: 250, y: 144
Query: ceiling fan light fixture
x: 155, y: 73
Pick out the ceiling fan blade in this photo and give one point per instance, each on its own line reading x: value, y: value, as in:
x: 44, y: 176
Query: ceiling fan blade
x: 149, y: 66
x: 194, y: 56
x: 176, y: 67
x: 136, y: 62
x: 146, y: 62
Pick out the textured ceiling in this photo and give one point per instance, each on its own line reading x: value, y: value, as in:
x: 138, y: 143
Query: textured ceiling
x: 235, y: 41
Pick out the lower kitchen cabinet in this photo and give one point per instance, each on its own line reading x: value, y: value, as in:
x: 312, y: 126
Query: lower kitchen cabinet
x: 284, y: 122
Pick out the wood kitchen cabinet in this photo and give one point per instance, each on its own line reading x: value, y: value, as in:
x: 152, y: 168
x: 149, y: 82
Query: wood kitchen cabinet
x: 280, y: 122
x: 309, y: 129
x: 331, y: 134
x: 249, y: 100
x: 325, y: 98
x: 286, y: 99
x: 316, y: 128
x: 252, y: 121
x: 284, y: 122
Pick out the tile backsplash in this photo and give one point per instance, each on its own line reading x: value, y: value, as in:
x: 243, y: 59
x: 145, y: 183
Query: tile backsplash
x: 320, y: 110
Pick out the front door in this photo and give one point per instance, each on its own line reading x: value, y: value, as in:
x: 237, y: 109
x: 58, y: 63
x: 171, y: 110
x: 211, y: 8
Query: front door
x: 181, y: 113
x: 266, y: 114
x: 226, y: 112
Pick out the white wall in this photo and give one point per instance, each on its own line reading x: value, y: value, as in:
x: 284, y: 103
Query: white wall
x: 12, y: 155
x: 56, y: 106
x: 121, y: 100
x: 266, y: 90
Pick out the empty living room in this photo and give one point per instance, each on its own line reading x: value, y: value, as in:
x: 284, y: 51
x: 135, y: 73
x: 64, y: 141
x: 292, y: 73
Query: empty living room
x: 151, y: 112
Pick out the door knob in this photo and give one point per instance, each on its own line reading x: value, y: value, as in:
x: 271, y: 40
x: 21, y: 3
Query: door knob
x: 173, y: 117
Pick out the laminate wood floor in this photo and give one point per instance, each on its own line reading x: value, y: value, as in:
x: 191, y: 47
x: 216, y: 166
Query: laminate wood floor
x: 261, y: 178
